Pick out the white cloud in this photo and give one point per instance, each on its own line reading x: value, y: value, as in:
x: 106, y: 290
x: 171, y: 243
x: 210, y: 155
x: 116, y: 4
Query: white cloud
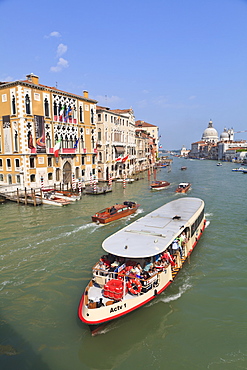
x: 61, y: 49
x: 55, y: 34
x: 192, y: 97
x: 61, y: 64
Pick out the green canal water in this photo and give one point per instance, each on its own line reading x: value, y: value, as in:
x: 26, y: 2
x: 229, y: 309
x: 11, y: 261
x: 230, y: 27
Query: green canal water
x: 199, y: 322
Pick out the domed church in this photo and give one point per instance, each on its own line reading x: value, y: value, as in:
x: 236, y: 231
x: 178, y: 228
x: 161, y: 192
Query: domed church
x: 210, y: 135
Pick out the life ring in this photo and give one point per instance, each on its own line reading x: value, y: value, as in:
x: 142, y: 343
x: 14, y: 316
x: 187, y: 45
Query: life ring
x: 134, y: 286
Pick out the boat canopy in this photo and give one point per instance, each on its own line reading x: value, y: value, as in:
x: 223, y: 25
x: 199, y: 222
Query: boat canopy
x: 153, y: 233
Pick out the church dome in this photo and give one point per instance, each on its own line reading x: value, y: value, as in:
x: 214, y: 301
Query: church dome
x: 210, y: 134
x: 224, y: 135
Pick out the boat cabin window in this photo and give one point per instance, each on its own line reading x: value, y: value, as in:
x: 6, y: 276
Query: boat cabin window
x: 197, y: 223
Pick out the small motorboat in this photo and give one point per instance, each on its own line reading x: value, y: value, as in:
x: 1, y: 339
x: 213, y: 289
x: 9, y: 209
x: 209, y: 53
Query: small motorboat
x: 63, y: 194
x: 52, y: 200
x: 183, y: 168
x: 159, y: 185
x: 219, y: 164
x: 115, y: 212
x: 183, y: 187
x: 240, y: 169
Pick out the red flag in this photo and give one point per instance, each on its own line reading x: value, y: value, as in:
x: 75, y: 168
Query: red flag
x: 125, y: 158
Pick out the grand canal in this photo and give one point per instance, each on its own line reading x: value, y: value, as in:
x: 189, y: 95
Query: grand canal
x: 199, y: 322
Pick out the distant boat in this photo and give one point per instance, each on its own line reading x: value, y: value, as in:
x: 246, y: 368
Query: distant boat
x: 91, y: 190
x: 129, y: 180
x: 219, y: 164
x: 160, y: 165
x: 159, y: 185
x: 115, y: 212
x: 183, y: 187
x: 240, y: 169
x: 183, y: 168
x: 244, y: 170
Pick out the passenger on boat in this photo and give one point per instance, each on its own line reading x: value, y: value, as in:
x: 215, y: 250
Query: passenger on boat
x: 176, y: 247
x: 138, y: 270
x: 100, y: 303
x: 183, y: 239
x: 106, y: 261
x: 167, y: 258
x: 113, y: 210
x: 148, y: 264
x: 159, y: 266
x: 103, y: 269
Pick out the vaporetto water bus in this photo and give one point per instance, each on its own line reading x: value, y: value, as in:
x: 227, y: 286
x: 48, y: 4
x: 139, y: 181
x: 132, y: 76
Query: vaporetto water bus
x: 142, y: 260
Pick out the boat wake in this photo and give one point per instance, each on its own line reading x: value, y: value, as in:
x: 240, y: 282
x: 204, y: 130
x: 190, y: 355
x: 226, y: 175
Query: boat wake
x: 182, y: 289
x: 208, y: 214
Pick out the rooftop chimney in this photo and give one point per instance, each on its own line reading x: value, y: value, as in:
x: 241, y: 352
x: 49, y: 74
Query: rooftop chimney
x: 32, y: 78
x: 85, y: 94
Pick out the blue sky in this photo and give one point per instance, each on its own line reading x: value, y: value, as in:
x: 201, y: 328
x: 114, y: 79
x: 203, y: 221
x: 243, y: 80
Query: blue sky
x: 177, y: 63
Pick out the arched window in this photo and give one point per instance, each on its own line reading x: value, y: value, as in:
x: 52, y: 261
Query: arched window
x: 92, y: 116
x: 32, y: 178
x: 99, y: 134
x: 16, y: 142
x: 46, y: 108
x: 66, y: 141
x: 13, y: 105
x: 71, y: 142
x: 27, y: 104
x: 55, y: 109
x: 57, y: 174
x: 48, y: 141
x: 17, y: 163
x: 81, y: 114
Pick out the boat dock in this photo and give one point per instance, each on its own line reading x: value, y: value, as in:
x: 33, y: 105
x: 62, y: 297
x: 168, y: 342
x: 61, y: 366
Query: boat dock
x: 22, y: 196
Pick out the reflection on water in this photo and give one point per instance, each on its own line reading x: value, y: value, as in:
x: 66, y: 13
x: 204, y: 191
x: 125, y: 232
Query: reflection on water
x: 46, y: 258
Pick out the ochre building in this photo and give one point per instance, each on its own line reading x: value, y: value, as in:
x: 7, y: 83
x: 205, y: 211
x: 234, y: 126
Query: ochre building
x: 34, y: 119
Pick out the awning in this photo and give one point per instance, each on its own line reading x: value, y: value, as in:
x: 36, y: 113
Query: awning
x: 119, y: 149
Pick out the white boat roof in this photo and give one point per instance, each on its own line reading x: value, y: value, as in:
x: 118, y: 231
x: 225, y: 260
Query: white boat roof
x: 184, y: 183
x: 153, y: 233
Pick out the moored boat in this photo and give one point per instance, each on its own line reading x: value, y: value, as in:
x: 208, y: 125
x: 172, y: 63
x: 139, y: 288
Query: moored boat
x: 115, y: 212
x: 55, y: 201
x: 63, y: 194
x: 141, y: 261
x: 97, y: 190
x: 128, y: 180
x: 183, y: 187
x: 159, y: 185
